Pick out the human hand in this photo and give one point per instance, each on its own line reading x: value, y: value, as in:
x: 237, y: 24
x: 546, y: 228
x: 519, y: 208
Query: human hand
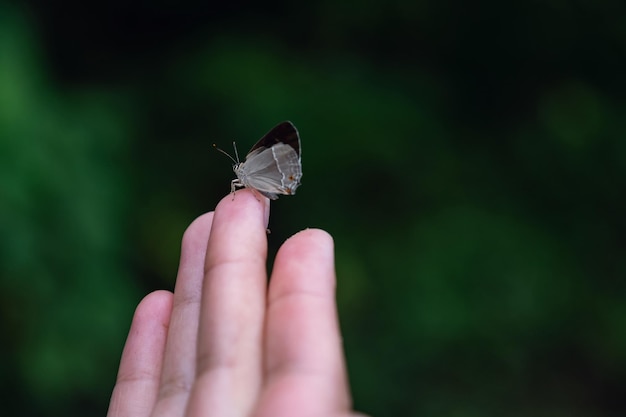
x: 224, y: 344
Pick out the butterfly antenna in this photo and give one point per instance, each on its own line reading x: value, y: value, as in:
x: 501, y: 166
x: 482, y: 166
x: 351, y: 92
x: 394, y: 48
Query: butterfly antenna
x: 227, y: 154
x: 236, y: 153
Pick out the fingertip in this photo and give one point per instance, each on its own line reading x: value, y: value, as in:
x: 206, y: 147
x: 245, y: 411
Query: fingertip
x: 146, y: 338
x: 138, y: 376
x: 245, y: 200
x: 318, y: 236
x: 196, y: 236
x: 156, y: 304
x: 314, y: 242
x: 305, y: 262
x: 198, y: 226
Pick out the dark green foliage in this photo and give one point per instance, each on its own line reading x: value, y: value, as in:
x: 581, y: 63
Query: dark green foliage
x: 468, y: 158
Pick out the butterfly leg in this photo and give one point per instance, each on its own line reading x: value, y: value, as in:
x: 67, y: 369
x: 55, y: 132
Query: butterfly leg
x: 233, y: 184
x: 236, y: 183
x: 256, y: 194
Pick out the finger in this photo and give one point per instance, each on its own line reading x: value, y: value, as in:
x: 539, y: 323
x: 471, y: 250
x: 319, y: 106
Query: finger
x: 232, y: 309
x: 179, y: 362
x: 137, y: 382
x: 305, y: 368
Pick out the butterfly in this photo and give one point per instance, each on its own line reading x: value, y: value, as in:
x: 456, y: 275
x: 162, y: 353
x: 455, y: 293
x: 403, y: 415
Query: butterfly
x: 273, y: 165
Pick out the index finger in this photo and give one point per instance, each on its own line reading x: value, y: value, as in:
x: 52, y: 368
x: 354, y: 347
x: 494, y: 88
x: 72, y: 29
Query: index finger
x: 304, y: 359
x: 232, y: 308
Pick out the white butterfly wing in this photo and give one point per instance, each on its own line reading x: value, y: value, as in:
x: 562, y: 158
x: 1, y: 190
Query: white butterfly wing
x: 271, y: 171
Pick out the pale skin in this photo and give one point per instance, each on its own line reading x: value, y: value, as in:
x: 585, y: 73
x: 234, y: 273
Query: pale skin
x: 227, y: 344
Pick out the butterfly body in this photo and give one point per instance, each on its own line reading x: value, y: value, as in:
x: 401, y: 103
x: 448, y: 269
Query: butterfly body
x: 273, y: 165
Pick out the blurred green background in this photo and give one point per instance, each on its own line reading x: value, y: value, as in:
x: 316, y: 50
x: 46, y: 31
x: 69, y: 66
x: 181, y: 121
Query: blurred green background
x: 469, y: 159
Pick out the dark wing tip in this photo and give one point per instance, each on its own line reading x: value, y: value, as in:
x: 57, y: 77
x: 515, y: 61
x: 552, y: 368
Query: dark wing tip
x: 284, y: 132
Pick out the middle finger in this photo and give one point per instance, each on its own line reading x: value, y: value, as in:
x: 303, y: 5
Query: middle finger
x: 232, y: 311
